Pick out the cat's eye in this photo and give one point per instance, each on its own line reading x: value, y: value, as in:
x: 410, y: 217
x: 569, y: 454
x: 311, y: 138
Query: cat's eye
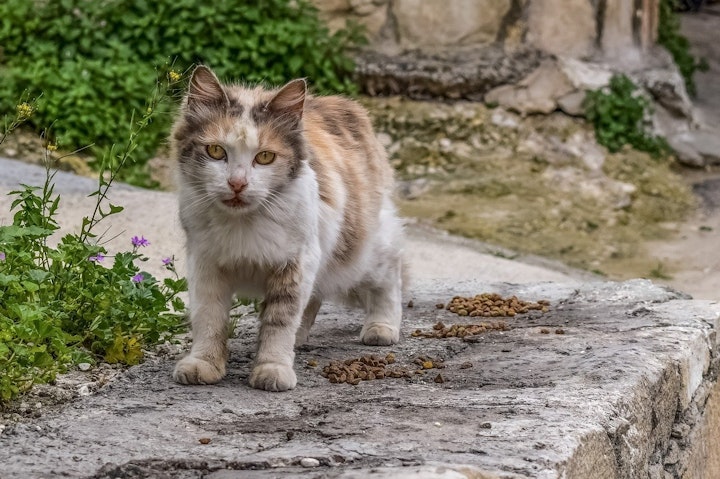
x: 216, y: 152
x: 264, y: 158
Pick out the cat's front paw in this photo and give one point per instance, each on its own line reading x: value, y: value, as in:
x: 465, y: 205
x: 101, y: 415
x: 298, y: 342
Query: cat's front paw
x: 273, y: 377
x: 193, y: 370
x: 378, y: 334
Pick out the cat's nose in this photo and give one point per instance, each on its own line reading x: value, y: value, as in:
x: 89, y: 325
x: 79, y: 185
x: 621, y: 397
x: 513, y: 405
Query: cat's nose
x: 237, y: 184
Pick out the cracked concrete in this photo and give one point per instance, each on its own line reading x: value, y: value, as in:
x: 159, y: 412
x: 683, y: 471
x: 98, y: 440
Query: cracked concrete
x: 629, y: 390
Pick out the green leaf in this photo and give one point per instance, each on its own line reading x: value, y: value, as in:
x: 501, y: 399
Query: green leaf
x: 115, y: 209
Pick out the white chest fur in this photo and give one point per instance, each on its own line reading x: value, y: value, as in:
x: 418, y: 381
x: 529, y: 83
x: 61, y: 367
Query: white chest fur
x: 269, y: 235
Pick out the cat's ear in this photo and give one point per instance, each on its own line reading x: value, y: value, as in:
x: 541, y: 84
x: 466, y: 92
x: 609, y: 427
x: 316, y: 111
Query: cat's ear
x: 205, y: 89
x: 290, y: 100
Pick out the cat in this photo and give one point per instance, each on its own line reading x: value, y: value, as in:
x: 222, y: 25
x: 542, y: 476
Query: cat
x: 286, y: 196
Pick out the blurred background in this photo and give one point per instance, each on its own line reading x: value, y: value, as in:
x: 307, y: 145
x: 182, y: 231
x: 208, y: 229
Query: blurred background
x: 585, y: 131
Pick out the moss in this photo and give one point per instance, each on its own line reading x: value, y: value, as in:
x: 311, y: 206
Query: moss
x: 488, y: 186
x: 661, y: 196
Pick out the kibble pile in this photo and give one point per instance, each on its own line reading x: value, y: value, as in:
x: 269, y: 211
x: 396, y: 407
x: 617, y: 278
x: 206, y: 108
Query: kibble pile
x: 440, y: 331
x: 365, y: 368
x: 492, y: 305
x: 369, y: 368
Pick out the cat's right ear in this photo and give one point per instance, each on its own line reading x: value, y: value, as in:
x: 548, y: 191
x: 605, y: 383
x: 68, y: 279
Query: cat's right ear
x: 205, y: 89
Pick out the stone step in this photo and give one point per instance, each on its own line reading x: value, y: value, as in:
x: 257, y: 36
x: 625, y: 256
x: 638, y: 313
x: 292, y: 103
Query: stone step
x: 460, y: 73
x: 629, y: 389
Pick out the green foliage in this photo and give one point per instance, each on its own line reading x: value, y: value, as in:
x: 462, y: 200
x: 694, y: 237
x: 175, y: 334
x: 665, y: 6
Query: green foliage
x: 669, y: 36
x: 66, y: 304
x: 619, y: 114
x: 93, y: 60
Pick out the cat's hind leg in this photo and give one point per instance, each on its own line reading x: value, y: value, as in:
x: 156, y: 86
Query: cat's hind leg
x: 383, y: 305
x: 308, y: 319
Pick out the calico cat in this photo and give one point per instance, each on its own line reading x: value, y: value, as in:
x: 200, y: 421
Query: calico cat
x: 285, y: 196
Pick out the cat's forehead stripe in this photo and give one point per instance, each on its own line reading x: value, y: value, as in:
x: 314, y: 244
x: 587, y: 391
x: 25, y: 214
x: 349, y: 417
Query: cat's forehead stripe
x: 243, y: 132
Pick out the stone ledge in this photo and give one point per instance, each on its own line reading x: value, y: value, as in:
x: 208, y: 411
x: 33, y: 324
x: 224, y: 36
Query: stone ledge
x: 622, y: 393
x: 457, y: 74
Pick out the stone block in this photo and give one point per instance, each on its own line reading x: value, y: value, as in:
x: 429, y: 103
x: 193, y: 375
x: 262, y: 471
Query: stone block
x: 437, y: 23
x: 536, y: 93
x: 585, y: 75
x: 562, y: 27
x: 573, y: 103
x: 617, y: 35
x: 697, y: 147
x: 603, y: 399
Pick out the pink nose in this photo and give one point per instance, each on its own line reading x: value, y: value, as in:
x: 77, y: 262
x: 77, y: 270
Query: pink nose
x: 237, y: 184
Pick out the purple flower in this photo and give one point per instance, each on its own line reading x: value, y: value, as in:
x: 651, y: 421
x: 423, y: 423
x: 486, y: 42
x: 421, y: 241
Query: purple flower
x: 137, y: 278
x: 96, y: 258
x: 2, y: 256
x: 167, y: 261
x: 141, y: 241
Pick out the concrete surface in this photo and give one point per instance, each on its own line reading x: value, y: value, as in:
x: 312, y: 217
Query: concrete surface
x: 629, y: 390
x: 621, y: 394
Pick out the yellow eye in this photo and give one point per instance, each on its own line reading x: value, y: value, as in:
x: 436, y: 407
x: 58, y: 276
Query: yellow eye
x: 216, y: 151
x: 264, y: 158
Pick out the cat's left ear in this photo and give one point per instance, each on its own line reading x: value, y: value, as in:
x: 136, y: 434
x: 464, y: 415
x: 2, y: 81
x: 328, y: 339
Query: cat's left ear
x: 290, y: 100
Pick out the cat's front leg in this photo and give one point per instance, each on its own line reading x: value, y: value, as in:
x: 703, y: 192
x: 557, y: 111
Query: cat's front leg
x: 210, y: 300
x: 286, y: 293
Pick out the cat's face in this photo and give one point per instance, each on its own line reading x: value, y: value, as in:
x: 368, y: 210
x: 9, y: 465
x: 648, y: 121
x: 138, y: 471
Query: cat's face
x: 238, y: 148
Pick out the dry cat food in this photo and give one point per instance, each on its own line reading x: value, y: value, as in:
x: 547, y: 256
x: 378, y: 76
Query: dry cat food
x: 426, y: 362
x: 547, y: 331
x: 369, y: 368
x: 440, y: 331
x: 365, y: 368
x: 493, y: 305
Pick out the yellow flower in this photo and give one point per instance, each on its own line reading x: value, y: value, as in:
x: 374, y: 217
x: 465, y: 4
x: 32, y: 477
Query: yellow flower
x: 174, y: 76
x: 24, y: 110
x: 51, y: 146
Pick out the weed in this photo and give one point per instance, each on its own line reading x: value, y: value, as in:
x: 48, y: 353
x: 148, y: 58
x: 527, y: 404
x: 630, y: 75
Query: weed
x: 620, y: 114
x: 72, y: 303
x: 669, y: 36
x: 240, y: 308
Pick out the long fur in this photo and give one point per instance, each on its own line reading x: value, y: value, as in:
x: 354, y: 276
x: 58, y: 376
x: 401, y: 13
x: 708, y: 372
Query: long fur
x: 317, y: 223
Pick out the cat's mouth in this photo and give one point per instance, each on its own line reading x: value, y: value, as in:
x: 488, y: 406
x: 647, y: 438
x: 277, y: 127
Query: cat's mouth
x: 235, y: 203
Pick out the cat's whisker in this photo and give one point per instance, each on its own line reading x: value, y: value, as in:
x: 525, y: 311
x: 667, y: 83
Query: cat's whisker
x: 199, y: 202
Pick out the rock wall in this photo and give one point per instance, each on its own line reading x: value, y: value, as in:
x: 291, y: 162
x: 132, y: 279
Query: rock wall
x: 574, y: 28
x: 528, y: 56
